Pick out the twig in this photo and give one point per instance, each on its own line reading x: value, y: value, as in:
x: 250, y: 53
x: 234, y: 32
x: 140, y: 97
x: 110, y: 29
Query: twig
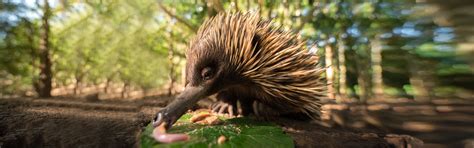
x: 179, y: 19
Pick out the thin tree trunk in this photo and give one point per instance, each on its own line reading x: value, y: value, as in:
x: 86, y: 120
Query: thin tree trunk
x: 45, y: 78
x: 183, y: 75
x: 124, y: 90
x: 260, y: 7
x: 363, y: 87
x: 335, y: 68
x: 342, y: 68
x: 329, y: 70
x: 420, y: 78
x: 77, y: 85
x: 353, y: 68
x: 285, y: 12
x: 248, y: 5
x: 363, y: 76
x: 270, y: 11
x: 236, y: 2
x: 144, y: 92
x: 376, y: 63
x: 107, y: 85
x: 172, y: 67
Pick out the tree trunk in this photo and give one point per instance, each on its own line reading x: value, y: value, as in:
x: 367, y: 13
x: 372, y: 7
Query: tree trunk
x: 363, y: 94
x: 363, y: 76
x: 351, y: 70
x: 183, y: 75
x: 124, y: 90
x: 342, y: 68
x: 145, y: 92
x: 236, y: 2
x: 421, y: 78
x: 44, y: 85
x: 261, y: 4
x: 376, y: 64
x: 77, y: 85
x: 336, y: 72
x: 270, y: 11
x: 329, y: 70
x: 248, y: 5
x: 284, y: 13
x: 107, y: 85
x: 171, y: 74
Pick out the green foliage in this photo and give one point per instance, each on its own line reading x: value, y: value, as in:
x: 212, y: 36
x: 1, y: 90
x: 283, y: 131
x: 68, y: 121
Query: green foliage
x: 95, y: 48
x: 18, y: 42
x: 239, y: 132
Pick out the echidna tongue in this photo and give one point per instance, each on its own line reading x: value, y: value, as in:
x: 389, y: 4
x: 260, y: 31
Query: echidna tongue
x: 180, y: 105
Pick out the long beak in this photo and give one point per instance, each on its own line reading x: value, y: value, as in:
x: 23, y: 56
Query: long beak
x: 180, y: 105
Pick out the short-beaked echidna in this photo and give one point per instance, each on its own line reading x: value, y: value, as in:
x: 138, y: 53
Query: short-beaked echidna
x: 248, y: 61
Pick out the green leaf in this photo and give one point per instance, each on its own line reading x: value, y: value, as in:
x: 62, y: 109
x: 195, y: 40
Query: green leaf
x: 239, y: 132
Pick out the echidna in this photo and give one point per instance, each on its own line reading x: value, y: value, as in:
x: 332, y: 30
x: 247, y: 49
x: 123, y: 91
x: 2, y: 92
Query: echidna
x: 246, y: 59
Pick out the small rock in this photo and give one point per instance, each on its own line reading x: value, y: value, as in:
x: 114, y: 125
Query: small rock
x: 221, y: 139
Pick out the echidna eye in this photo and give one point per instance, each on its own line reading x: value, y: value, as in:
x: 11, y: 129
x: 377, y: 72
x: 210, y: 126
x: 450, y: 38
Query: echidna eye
x: 206, y: 73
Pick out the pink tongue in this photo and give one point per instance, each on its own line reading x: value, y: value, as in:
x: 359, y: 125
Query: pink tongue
x: 159, y: 133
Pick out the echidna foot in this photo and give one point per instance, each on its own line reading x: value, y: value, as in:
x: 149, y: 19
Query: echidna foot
x: 224, y: 108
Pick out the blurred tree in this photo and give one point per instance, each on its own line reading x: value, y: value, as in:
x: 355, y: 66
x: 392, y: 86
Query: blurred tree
x: 43, y: 85
x: 18, y: 49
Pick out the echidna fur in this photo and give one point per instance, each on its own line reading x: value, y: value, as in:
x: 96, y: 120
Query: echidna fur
x: 275, y: 61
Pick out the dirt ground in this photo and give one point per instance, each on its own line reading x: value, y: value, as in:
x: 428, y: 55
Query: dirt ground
x: 27, y: 122
x: 444, y: 122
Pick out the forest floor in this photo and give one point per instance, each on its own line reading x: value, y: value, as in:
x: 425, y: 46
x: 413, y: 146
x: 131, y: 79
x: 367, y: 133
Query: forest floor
x: 438, y: 122
x: 55, y: 122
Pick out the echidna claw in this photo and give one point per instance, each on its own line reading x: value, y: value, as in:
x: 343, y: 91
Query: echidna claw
x: 157, y: 120
x: 163, y: 117
x: 223, y: 108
